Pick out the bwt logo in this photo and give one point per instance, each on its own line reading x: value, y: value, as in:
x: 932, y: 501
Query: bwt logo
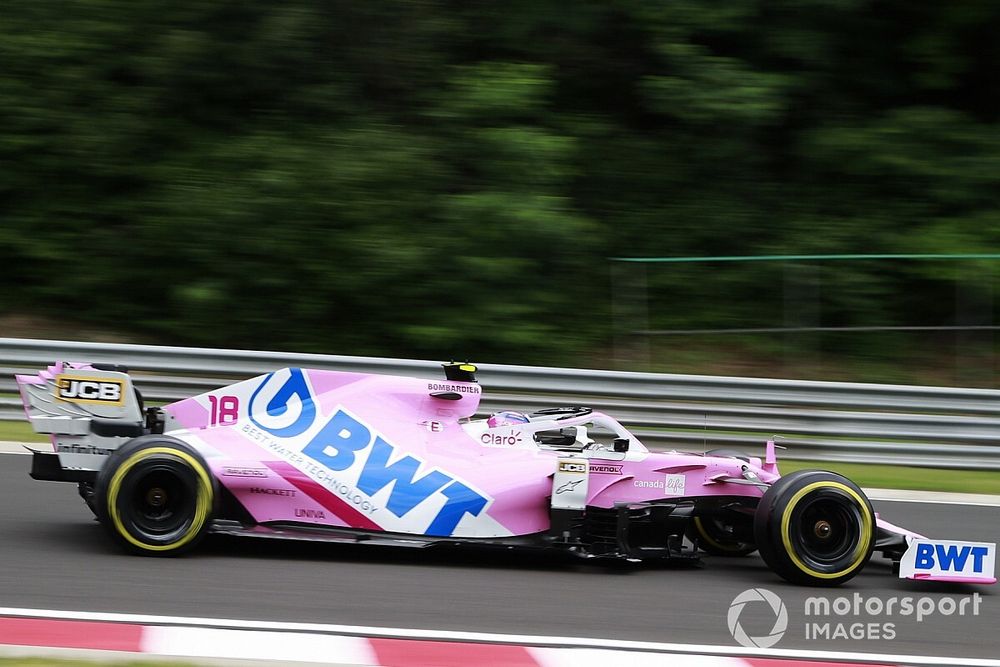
x: 950, y: 557
x: 343, y: 440
x: 969, y: 561
x: 89, y: 390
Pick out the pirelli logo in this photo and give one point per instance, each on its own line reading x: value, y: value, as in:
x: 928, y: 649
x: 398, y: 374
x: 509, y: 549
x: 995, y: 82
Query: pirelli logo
x: 82, y: 389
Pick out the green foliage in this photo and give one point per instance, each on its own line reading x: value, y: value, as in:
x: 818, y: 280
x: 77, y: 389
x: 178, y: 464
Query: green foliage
x: 435, y: 178
x: 871, y: 476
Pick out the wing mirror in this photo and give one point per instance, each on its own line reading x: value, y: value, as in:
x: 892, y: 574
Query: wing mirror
x: 621, y: 444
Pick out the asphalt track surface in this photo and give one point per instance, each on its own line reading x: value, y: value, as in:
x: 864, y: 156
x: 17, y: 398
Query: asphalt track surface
x: 53, y: 555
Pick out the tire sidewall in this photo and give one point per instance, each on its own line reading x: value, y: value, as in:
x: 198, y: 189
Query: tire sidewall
x: 773, y: 531
x: 134, y: 458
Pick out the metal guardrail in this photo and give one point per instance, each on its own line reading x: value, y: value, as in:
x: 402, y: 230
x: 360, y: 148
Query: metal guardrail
x: 877, y: 423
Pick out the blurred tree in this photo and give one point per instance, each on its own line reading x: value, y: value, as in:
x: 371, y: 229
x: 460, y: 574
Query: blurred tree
x: 436, y: 178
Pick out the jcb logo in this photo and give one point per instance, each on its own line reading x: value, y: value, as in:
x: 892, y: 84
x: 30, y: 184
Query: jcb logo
x: 572, y: 466
x: 89, y: 390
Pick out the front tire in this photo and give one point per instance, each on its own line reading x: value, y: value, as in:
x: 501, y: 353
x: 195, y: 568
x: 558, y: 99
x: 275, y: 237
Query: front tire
x: 815, y: 528
x: 155, y: 496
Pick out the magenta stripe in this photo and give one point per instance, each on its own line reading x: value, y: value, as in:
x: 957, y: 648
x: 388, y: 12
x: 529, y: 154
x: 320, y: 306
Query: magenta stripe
x: 323, y: 496
x: 420, y: 653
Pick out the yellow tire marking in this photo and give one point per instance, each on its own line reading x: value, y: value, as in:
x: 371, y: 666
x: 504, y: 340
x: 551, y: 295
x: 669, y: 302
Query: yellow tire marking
x: 202, y: 507
x: 859, y: 553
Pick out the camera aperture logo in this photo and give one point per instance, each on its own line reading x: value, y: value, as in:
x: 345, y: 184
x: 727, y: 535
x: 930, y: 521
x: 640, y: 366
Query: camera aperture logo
x: 740, y: 603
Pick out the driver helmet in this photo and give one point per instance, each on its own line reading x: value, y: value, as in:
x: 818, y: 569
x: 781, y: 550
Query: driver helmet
x: 507, y: 418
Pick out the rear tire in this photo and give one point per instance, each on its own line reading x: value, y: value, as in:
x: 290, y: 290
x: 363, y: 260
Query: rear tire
x: 815, y: 528
x: 155, y: 496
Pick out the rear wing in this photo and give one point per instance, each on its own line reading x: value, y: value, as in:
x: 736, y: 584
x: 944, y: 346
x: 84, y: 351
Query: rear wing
x: 89, y: 409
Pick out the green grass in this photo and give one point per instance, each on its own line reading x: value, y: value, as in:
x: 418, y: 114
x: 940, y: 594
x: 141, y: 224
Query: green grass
x: 20, y: 431
x: 901, y: 477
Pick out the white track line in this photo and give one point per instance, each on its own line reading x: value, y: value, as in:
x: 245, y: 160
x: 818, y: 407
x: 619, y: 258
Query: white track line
x: 935, y: 497
x: 19, y: 448
x: 197, y: 642
x: 496, y: 638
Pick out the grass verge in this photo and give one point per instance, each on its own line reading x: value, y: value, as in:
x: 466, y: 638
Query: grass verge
x: 20, y: 431
x: 902, y: 477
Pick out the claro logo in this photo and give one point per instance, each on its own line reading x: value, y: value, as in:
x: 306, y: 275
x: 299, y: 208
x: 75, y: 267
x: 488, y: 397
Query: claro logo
x: 511, y: 439
x: 89, y: 390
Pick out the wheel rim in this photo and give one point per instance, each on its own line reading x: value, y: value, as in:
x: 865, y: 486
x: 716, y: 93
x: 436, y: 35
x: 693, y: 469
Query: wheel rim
x: 828, y: 530
x: 158, y: 501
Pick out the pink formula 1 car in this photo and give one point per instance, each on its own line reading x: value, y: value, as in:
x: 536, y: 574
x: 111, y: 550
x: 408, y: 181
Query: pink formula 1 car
x: 377, y: 459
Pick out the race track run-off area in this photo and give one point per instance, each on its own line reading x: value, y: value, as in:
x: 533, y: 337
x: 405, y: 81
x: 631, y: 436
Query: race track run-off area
x: 514, y: 608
